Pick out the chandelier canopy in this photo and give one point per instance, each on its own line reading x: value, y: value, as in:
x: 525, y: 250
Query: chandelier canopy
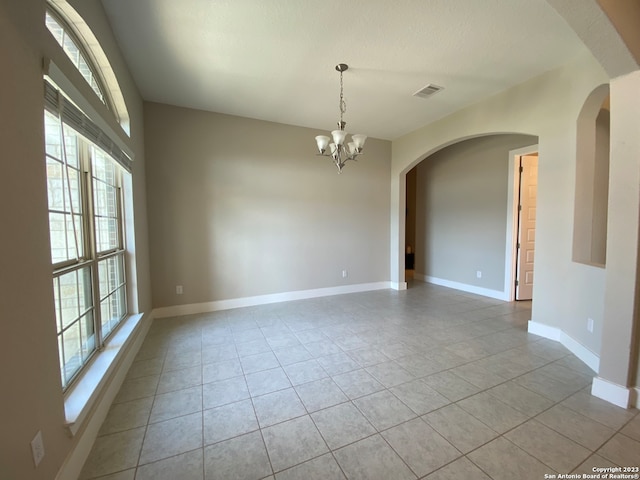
x: 337, y: 150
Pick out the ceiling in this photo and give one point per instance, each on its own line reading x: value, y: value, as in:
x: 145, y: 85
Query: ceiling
x: 274, y: 59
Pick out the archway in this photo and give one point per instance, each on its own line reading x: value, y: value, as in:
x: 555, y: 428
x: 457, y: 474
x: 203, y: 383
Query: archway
x: 463, y: 211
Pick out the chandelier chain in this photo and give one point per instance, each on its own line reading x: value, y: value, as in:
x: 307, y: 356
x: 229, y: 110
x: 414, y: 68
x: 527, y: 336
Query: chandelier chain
x: 343, y: 104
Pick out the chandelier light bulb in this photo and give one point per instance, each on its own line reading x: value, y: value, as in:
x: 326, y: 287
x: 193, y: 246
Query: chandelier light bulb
x: 323, y: 142
x: 339, y: 136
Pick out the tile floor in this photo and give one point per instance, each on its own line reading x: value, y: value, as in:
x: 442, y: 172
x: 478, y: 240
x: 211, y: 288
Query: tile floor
x: 427, y: 383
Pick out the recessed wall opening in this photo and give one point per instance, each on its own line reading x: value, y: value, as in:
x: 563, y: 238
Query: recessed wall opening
x: 592, y: 180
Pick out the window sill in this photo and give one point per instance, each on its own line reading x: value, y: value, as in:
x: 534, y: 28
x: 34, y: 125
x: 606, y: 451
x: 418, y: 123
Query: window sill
x: 81, y: 398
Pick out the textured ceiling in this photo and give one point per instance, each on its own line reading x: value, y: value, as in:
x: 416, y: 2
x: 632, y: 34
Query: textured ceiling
x: 274, y: 59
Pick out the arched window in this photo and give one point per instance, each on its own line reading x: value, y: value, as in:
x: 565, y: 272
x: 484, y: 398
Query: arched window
x: 71, y: 47
x: 83, y: 49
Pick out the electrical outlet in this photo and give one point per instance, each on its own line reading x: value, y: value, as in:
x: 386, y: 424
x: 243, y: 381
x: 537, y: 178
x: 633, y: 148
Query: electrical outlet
x: 179, y: 290
x: 478, y: 274
x: 590, y: 324
x: 345, y: 273
x: 37, y: 448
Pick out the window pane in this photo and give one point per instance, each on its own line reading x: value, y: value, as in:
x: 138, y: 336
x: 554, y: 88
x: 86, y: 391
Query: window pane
x: 87, y: 328
x: 106, y: 234
x: 103, y: 278
x: 75, y: 326
x: 71, y: 49
x: 111, y: 273
x: 64, y: 191
x: 112, y: 292
x: 105, y: 192
x: 112, y: 310
x: 105, y: 316
x: 106, y: 199
x: 96, y: 88
x: 72, y: 351
x: 61, y: 358
x: 85, y: 297
x: 74, y: 204
x: 119, y: 274
x: 69, y: 295
x: 58, y: 236
x: 84, y: 69
x: 52, y: 135
x: 104, y: 167
x: 55, y: 184
x: 121, y: 301
x: 73, y: 237
x: 54, y: 27
x: 71, y: 146
x: 56, y: 300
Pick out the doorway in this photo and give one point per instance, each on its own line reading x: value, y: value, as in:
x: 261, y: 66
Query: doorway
x: 524, y: 249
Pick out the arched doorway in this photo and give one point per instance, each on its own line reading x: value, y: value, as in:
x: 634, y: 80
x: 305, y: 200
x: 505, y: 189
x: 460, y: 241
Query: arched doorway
x: 457, y: 215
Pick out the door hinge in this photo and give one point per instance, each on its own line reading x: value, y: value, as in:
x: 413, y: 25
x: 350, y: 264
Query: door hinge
x: 517, y: 283
x: 521, y: 169
x: 518, y: 245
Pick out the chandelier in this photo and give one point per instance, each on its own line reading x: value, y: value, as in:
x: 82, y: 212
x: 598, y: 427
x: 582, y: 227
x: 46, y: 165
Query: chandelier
x: 338, y: 151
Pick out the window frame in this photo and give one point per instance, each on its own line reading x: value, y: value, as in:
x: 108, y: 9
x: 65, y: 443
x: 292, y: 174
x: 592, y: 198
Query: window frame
x: 91, y: 258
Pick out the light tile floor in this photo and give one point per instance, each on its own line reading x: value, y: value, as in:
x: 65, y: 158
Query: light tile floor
x: 427, y: 383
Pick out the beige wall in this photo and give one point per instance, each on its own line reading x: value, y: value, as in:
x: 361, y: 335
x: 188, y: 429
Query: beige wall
x: 241, y: 207
x: 32, y: 399
x: 462, y: 210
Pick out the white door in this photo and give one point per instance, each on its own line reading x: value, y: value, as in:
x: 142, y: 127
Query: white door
x: 526, y: 226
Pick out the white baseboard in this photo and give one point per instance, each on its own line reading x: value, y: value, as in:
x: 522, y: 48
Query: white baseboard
x: 193, y: 308
x: 619, y: 395
x: 85, y: 431
x: 542, y: 330
x: 552, y: 333
x: 485, y: 292
x: 613, y: 393
x: 399, y: 285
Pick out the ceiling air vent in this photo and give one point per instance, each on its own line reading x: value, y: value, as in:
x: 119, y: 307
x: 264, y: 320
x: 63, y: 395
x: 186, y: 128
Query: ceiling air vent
x: 426, y: 92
